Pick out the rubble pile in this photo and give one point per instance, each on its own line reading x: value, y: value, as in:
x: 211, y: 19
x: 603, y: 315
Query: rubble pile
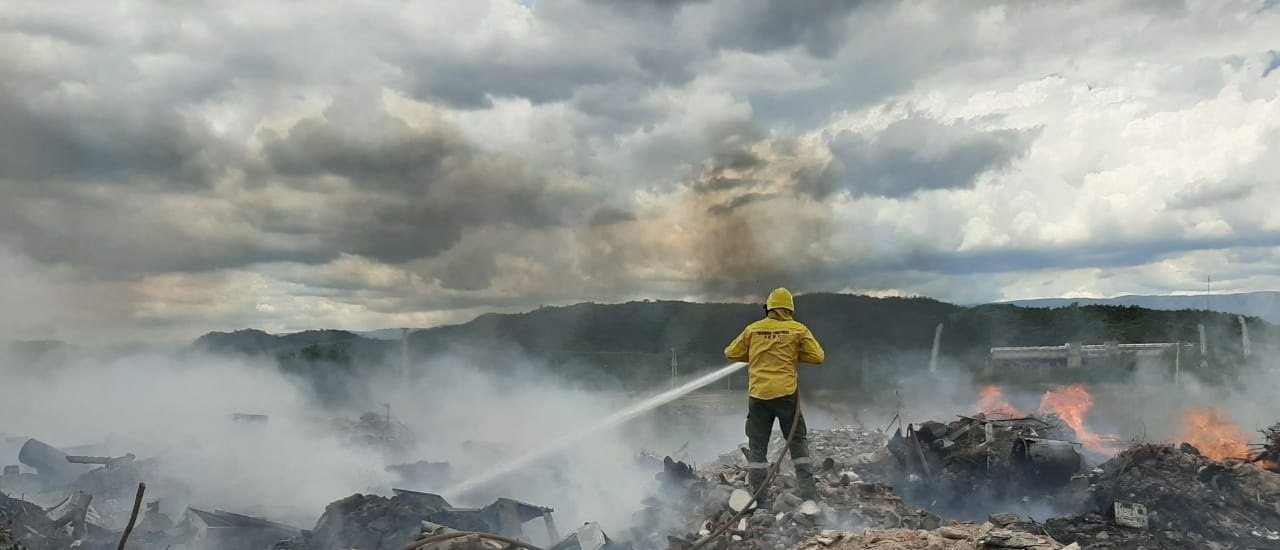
x: 377, y: 431
x: 1166, y: 496
x: 112, y: 481
x: 7, y: 542
x: 698, y: 504
x: 25, y: 525
x: 964, y: 536
x: 976, y: 450
x: 372, y: 522
x: 368, y: 522
x: 978, y: 464
x: 844, y: 446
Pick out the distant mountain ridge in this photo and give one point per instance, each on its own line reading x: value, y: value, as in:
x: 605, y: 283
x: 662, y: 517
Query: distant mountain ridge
x: 632, y: 343
x: 1263, y: 304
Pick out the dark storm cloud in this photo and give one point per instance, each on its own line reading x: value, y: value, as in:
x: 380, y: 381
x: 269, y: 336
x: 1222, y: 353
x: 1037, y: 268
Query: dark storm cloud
x: 46, y: 137
x: 474, y: 82
x: 393, y: 157
x: 109, y: 234
x: 415, y: 190
x: 609, y: 215
x: 613, y: 106
x: 470, y: 270
x: 661, y: 4
x: 412, y: 193
x: 918, y: 154
x: 581, y: 45
x: 760, y: 26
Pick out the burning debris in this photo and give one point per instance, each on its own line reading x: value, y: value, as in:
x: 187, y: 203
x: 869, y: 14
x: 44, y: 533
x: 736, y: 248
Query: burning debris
x: 877, y: 491
x: 1173, y: 497
x: 981, y: 459
x: 1213, y: 435
x: 1269, y: 457
x: 1071, y: 403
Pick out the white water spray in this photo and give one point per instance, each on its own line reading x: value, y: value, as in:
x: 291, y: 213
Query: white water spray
x: 612, y: 420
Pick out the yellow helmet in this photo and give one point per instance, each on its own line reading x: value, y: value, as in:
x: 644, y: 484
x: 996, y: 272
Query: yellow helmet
x: 780, y: 299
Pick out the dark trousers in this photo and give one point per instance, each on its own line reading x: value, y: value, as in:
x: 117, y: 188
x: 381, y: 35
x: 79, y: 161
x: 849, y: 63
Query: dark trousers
x: 760, y: 416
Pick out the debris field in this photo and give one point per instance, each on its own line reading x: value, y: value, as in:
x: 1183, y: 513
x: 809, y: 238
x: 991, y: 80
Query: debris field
x: 878, y: 491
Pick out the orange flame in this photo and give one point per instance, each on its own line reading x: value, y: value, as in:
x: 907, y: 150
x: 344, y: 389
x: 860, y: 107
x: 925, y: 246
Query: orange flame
x: 1214, y: 435
x: 1071, y: 403
x: 992, y: 401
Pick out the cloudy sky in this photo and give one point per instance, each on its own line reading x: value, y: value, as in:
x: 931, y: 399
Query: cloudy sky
x: 168, y: 168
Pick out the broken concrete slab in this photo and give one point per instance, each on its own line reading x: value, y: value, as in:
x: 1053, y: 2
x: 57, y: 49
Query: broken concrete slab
x: 222, y: 529
x: 740, y: 500
x: 588, y: 537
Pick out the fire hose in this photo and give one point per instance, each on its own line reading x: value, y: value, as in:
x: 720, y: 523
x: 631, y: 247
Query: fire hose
x: 773, y: 471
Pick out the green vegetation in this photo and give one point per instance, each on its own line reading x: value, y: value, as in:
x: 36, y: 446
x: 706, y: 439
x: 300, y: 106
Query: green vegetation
x: 869, y: 341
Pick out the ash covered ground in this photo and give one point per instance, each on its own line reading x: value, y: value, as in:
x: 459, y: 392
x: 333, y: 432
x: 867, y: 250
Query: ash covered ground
x: 236, y: 456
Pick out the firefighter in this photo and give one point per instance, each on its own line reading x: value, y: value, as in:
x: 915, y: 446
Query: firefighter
x: 772, y: 347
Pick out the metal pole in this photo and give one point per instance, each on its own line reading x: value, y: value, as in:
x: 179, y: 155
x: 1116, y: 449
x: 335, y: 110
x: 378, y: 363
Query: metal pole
x: 1177, y: 362
x: 937, y: 342
x: 675, y: 367
x: 404, y: 353
x: 1244, y: 336
x: 1204, y: 349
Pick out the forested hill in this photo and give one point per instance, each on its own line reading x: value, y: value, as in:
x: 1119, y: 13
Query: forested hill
x: 1264, y: 305
x: 632, y: 342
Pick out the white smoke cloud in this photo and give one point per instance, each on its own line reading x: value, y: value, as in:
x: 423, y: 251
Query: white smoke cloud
x: 177, y: 409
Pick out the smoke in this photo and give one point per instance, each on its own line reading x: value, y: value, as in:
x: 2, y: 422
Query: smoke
x: 178, y: 409
x: 481, y: 421
x: 460, y: 407
x: 481, y: 408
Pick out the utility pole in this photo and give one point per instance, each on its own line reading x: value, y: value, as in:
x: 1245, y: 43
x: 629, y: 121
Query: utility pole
x: 1204, y: 349
x: 1244, y: 336
x: 937, y: 342
x: 675, y: 368
x: 1177, y: 362
x: 404, y: 353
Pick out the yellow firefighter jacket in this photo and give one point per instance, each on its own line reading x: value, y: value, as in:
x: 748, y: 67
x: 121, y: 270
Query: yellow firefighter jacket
x: 772, y: 346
